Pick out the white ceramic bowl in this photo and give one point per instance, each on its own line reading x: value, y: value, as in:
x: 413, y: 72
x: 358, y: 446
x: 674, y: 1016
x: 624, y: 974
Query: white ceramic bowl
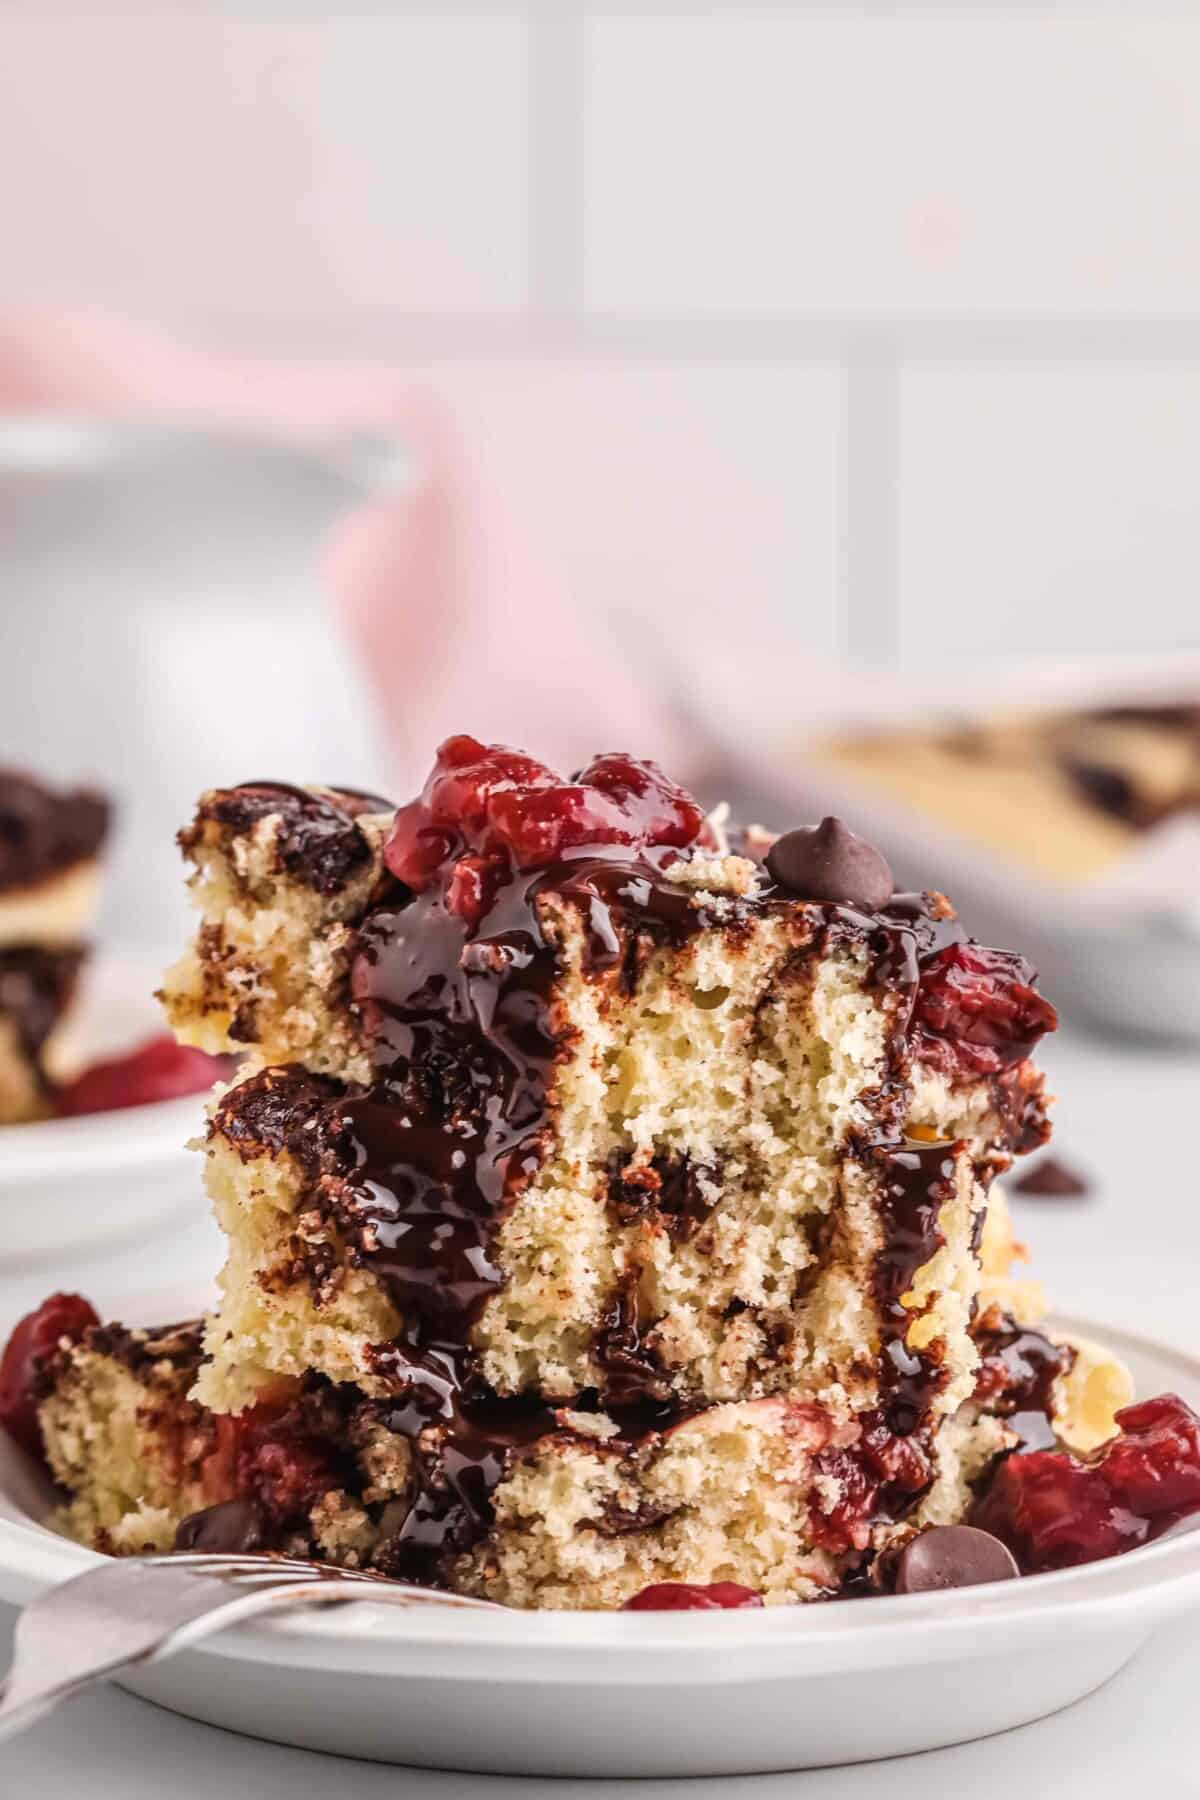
x: 667, y: 1694
x: 1126, y: 955
x: 69, y: 1182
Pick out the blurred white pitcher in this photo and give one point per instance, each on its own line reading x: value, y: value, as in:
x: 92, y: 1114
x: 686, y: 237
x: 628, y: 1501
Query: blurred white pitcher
x: 166, y: 627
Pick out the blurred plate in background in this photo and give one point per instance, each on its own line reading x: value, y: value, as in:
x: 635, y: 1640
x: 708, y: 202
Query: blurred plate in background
x: 168, y: 626
x: 1122, y: 949
x: 66, y: 1183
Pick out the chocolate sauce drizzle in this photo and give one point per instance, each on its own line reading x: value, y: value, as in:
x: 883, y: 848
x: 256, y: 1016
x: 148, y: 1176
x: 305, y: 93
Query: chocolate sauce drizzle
x: 632, y: 1373
x: 916, y: 1181
x: 464, y: 1036
x: 1019, y: 1366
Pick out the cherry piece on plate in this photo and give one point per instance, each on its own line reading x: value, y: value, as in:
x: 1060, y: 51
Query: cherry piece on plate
x: 1055, y: 1510
x: 61, y: 1318
x: 691, y: 1596
x: 158, y: 1070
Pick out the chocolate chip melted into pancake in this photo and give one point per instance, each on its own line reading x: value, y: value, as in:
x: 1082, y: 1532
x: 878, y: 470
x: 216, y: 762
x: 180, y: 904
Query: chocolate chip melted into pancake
x: 317, y: 839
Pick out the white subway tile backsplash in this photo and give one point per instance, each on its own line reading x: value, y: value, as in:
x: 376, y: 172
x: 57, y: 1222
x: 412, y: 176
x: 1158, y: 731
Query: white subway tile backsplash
x: 685, y: 510
x: 1048, y: 511
x: 300, y: 168
x: 625, y: 229
x: 762, y: 163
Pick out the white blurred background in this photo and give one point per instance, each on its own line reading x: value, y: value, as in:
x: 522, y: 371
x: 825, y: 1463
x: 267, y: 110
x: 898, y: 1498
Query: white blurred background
x: 877, y: 323
x: 758, y: 346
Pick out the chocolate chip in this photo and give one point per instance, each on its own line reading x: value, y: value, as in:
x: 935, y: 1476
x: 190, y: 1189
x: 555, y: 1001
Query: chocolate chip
x: 829, y: 862
x: 1056, y: 1180
x: 952, y: 1556
x: 231, y: 1528
x: 318, y: 842
x: 1110, y: 790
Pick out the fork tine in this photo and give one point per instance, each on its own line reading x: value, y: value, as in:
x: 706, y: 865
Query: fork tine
x: 233, y: 1564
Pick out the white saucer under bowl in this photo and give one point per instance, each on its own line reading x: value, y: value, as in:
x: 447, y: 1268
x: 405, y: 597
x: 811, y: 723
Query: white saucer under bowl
x: 67, y: 1182
x: 658, y: 1694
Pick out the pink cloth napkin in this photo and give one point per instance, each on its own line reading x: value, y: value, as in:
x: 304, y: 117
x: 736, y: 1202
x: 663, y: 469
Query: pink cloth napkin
x: 456, y: 623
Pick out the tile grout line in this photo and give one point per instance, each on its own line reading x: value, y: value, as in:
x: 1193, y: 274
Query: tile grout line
x: 558, y: 97
x: 869, y: 505
x: 561, y: 326
x: 682, y: 11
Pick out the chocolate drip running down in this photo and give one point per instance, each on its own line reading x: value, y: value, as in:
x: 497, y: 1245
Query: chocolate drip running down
x: 462, y: 1031
x: 917, y: 1181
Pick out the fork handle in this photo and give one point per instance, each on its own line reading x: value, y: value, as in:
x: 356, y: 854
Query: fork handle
x: 19, y: 1710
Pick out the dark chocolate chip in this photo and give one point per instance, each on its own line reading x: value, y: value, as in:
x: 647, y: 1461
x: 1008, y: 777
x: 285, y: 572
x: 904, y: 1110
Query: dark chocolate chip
x: 952, y: 1556
x: 1109, y: 790
x: 318, y: 840
x: 829, y: 862
x: 1056, y: 1180
x: 231, y: 1528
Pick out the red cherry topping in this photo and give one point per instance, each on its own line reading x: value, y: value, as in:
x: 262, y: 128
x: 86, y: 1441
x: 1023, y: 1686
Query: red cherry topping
x: 1153, y: 1466
x: 691, y: 1596
x: 263, y: 1455
x: 486, y: 811
x: 856, y: 1474
x: 286, y: 1477
x: 978, y: 1008
x: 158, y: 1070
x: 63, y: 1317
x: 1055, y: 1510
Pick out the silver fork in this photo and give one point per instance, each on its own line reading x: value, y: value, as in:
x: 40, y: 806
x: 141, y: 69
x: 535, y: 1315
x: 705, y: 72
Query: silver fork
x: 142, y: 1609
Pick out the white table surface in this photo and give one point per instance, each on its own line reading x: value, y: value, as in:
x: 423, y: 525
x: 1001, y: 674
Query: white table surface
x: 1129, y: 1254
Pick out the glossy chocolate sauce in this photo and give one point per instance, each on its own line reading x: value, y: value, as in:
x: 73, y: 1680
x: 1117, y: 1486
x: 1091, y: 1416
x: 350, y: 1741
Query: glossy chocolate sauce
x: 463, y: 1033
x: 917, y: 1180
x: 1019, y: 1367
